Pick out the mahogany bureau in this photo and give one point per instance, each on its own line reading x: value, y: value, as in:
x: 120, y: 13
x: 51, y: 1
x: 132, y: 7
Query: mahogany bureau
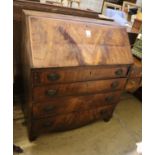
x: 74, y: 70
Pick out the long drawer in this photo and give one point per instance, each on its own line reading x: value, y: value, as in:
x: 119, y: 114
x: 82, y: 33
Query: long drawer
x: 72, y: 74
x: 45, y: 93
x: 64, y: 105
x: 70, y: 121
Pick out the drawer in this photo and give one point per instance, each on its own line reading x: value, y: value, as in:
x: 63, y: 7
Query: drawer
x: 64, y: 105
x: 70, y: 121
x: 64, y: 75
x: 44, y: 93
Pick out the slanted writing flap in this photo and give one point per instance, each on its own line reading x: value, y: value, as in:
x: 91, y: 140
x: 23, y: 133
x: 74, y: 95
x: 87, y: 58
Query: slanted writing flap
x: 62, y: 41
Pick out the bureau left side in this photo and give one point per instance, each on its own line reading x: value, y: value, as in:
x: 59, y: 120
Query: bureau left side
x: 26, y: 75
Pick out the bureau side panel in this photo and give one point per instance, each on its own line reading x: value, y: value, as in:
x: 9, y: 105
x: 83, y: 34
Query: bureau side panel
x: 26, y: 72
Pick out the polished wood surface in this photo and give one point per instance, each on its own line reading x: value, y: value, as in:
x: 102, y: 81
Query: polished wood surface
x: 74, y: 70
x: 75, y: 42
x: 77, y: 74
x: 71, y: 120
x: 45, y: 93
x: 18, y: 6
x: 66, y: 105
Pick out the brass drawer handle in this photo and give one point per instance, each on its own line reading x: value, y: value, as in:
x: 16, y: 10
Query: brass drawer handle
x: 114, y: 85
x: 47, y: 124
x: 119, y: 72
x: 51, y: 92
x: 49, y: 108
x: 53, y: 77
x: 109, y: 99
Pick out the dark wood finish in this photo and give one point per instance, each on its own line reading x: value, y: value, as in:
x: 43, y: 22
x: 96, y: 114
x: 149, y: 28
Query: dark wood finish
x: 68, y: 40
x: 17, y: 47
x: 18, y: 6
x: 77, y: 74
x: 71, y: 120
x: 66, y: 104
x: 46, y: 93
x: 71, y: 80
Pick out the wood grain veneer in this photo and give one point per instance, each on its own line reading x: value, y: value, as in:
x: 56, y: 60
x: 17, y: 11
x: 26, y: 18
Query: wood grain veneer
x: 74, y: 70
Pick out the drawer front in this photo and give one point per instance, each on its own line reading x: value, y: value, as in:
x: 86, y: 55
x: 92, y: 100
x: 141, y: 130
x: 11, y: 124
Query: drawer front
x: 49, y: 76
x: 71, y: 120
x: 64, y: 105
x: 44, y: 93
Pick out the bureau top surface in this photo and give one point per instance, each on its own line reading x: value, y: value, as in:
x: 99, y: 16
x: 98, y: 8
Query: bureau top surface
x: 54, y: 40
